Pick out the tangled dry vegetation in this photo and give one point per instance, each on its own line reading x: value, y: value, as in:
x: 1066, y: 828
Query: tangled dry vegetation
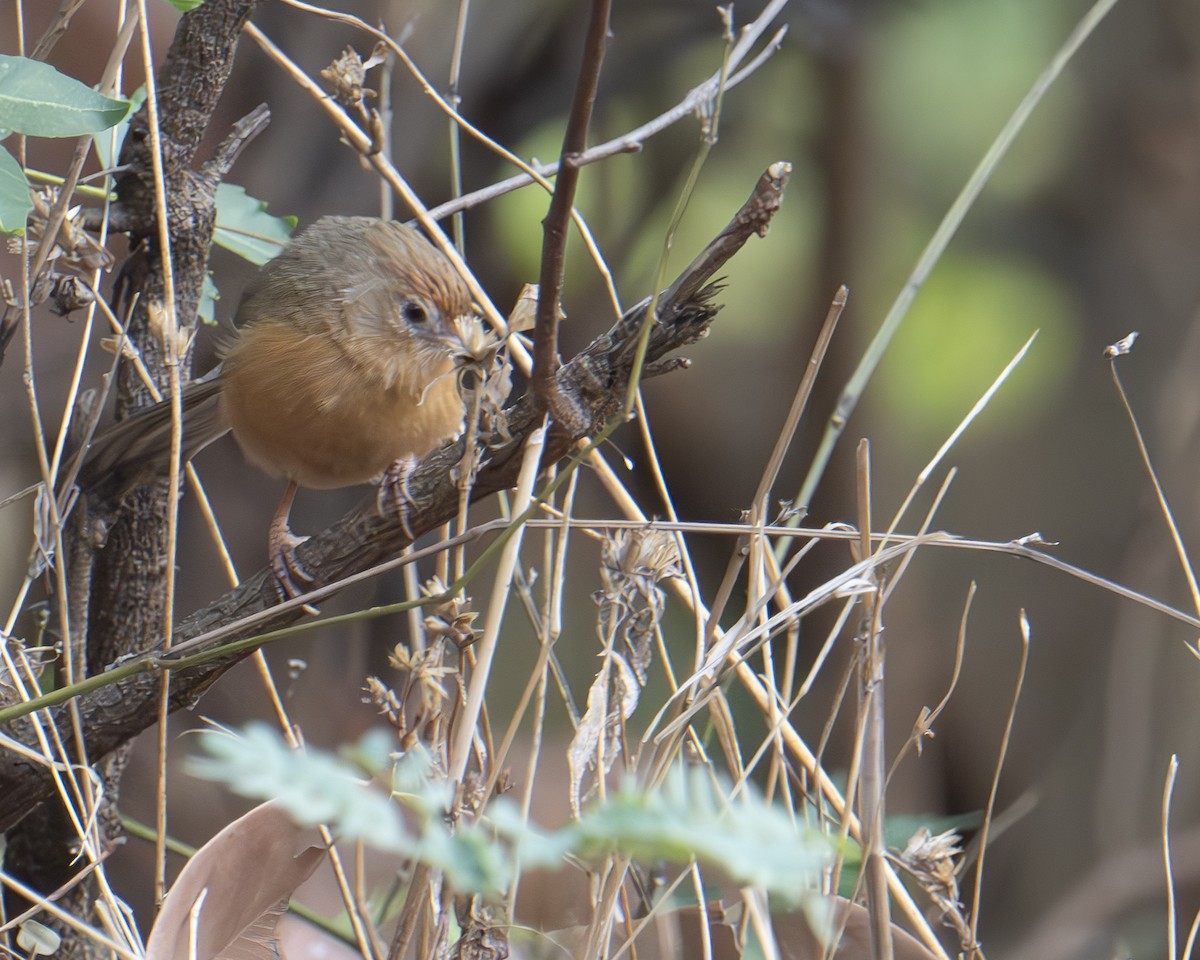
x: 701, y: 821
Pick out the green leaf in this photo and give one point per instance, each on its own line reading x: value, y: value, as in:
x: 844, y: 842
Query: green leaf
x: 108, y: 142
x: 37, y: 100
x: 14, y: 195
x: 852, y: 863
x: 536, y: 849
x: 208, y: 300
x: 186, y: 6
x: 245, y: 228
x: 755, y: 842
x: 313, y: 787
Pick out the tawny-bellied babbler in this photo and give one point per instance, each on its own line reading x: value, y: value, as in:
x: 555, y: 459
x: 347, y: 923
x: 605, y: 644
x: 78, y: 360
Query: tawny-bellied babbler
x: 340, y: 366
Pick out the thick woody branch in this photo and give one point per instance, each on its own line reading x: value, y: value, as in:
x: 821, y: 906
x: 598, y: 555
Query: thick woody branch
x: 127, y: 579
x: 116, y: 599
x: 595, y: 381
x: 190, y: 83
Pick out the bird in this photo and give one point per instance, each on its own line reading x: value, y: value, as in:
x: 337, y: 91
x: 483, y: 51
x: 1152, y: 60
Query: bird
x: 341, y: 365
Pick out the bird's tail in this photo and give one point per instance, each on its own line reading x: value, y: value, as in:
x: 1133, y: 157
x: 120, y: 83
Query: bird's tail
x: 138, y: 449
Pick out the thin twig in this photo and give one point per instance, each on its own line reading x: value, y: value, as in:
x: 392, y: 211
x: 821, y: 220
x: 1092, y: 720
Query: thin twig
x: 454, y: 99
x: 171, y: 361
x: 958, y: 431
x: 977, y: 899
x: 485, y: 649
x: 924, y: 725
x: 630, y: 142
x: 1160, y: 494
x: 554, y: 244
x: 872, y: 671
x: 799, y: 401
x: 695, y: 101
x: 1168, y: 790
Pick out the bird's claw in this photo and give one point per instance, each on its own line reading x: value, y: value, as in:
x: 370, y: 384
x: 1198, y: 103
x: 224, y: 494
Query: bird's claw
x: 285, y: 565
x: 394, y: 496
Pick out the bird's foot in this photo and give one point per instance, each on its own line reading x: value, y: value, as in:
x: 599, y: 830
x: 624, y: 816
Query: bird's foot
x: 394, y: 497
x: 288, y: 570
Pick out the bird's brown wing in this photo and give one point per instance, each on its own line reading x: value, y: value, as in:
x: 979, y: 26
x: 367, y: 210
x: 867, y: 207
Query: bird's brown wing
x: 139, y: 448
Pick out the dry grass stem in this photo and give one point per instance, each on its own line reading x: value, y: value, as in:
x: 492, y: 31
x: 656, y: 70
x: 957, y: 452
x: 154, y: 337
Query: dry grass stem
x: 1172, y: 921
x: 1160, y: 495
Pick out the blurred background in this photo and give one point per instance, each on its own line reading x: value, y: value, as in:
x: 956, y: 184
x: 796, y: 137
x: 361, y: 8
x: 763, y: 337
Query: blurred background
x: 1090, y: 229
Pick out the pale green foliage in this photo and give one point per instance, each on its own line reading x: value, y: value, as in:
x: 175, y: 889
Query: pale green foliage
x: 243, y: 227
x: 312, y: 786
x: 316, y: 787
x: 14, y: 194
x: 108, y: 142
x: 689, y: 816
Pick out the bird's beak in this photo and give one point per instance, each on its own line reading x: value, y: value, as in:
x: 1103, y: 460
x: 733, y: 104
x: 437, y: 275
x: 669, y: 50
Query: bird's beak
x: 462, y: 329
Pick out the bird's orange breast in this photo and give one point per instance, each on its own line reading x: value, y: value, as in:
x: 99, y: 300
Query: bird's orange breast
x: 301, y: 408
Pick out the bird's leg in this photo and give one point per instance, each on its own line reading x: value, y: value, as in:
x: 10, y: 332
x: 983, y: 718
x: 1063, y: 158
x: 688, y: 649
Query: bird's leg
x: 393, y: 496
x: 282, y: 546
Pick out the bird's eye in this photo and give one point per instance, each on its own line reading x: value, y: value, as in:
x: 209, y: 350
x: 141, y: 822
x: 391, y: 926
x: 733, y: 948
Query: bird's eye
x: 414, y: 312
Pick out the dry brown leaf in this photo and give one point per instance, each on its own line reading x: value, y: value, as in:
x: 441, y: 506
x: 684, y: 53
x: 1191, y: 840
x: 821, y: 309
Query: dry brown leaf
x: 237, y: 886
x: 524, y: 311
x: 633, y: 563
x: 596, y: 745
x: 796, y: 940
x: 671, y: 935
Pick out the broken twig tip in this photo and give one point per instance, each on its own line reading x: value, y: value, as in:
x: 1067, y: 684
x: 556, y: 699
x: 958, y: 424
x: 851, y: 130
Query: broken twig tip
x: 1121, y: 347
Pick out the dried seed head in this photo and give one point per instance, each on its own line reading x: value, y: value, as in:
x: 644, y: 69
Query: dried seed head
x: 347, y: 76
x: 450, y: 619
x: 74, y: 249
x: 933, y: 860
x: 70, y: 294
x: 642, y: 553
x: 630, y: 608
